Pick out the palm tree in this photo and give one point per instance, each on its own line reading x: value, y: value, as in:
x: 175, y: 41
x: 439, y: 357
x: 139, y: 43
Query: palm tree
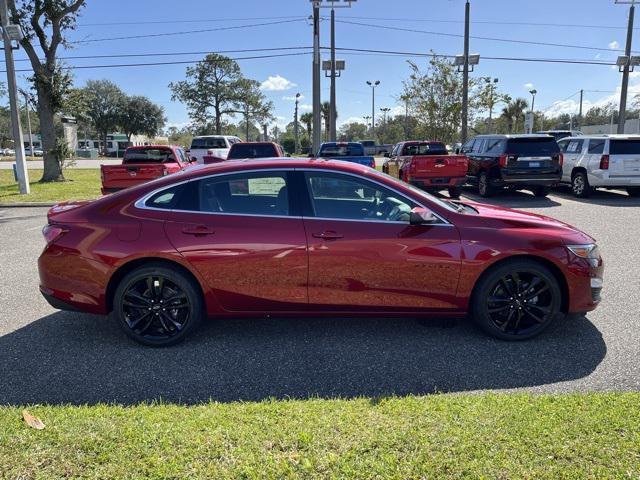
x: 513, y: 112
x: 307, y: 119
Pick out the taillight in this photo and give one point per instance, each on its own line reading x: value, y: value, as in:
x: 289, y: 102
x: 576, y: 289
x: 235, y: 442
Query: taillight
x: 52, y: 233
x: 503, y: 160
x: 604, y: 162
x: 561, y: 159
x: 373, y: 163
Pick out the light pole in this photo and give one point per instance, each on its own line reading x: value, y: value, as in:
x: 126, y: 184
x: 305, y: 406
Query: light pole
x: 295, y: 124
x: 492, y: 87
x: 622, y: 116
x: 465, y: 74
x: 533, y: 106
x: 26, y: 107
x: 366, y: 120
x: 373, y: 85
x: 14, y: 33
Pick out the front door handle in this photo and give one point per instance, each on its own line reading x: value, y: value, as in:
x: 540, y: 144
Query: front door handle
x: 198, y: 230
x: 328, y: 235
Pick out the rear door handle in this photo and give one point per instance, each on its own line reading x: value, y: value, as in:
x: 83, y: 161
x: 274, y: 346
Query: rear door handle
x: 328, y: 235
x: 198, y: 230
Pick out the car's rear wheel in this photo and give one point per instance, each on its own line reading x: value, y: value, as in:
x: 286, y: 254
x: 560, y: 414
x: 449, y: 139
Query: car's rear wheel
x: 454, y: 192
x: 158, y: 305
x: 540, y: 192
x: 580, y: 185
x: 633, y: 191
x: 484, y: 186
x: 517, y: 300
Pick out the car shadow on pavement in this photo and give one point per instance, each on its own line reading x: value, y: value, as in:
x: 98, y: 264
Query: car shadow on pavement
x: 82, y: 359
x: 606, y: 198
x: 512, y: 199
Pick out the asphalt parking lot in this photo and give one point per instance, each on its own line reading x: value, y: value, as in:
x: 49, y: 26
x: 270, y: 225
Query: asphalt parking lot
x: 48, y: 356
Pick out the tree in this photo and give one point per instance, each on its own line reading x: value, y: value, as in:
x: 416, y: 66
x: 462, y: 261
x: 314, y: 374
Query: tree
x: 44, y: 23
x: 353, y: 131
x: 104, y: 106
x: 514, y: 112
x: 307, y: 119
x: 254, y: 105
x: 325, y: 111
x: 140, y: 116
x: 214, y: 88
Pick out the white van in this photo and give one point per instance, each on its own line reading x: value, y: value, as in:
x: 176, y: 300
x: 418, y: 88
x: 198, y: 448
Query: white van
x: 601, y: 161
x: 212, y: 146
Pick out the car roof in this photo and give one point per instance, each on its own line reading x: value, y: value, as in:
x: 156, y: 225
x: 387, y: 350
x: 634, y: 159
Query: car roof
x: 140, y: 147
x: 215, y: 136
x: 515, y: 135
x: 254, y: 143
x: 614, y: 136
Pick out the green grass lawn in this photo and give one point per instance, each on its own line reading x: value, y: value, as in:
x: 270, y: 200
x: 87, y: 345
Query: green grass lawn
x: 81, y: 184
x: 440, y: 436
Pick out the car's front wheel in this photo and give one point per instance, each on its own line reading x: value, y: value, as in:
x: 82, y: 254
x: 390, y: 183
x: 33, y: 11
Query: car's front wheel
x: 517, y: 300
x: 580, y: 185
x: 158, y: 305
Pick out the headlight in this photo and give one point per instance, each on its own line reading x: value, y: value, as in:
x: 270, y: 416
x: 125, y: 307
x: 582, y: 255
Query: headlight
x: 589, y: 252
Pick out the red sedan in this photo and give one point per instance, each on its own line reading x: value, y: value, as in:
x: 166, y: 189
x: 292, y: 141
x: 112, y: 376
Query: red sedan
x: 309, y: 237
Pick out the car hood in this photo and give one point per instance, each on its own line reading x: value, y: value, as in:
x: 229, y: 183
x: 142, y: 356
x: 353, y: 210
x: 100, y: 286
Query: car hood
x: 500, y: 217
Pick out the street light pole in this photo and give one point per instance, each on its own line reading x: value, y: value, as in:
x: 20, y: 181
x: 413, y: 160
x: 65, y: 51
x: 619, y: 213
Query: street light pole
x: 26, y: 107
x: 295, y: 124
x: 21, y: 164
x: 533, y: 106
x: 332, y: 99
x: 373, y: 86
x: 465, y: 75
x: 317, y: 117
x: 625, y: 72
x: 492, y: 86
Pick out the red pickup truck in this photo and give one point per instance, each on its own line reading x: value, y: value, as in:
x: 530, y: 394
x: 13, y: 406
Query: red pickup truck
x: 141, y: 164
x: 428, y: 165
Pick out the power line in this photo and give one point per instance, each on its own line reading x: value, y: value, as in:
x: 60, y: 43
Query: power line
x: 210, y: 20
x: 493, y: 39
x: 166, y: 34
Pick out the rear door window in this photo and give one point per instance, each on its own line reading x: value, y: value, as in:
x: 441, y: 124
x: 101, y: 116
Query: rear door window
x: 624, y: 147
x: 342, y: 150
x: 596, y: 145
x: 208, y: 142
x: 532, y: 147
x: 495, y: 146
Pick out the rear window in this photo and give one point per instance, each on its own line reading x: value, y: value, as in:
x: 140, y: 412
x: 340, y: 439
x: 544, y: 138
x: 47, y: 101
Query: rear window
x: 532, y: 146
x: 354, y: 150
x: 148, y: 155
x: 624, y: 147
x: 432, y: 148
x: 208, y: 142
x: 246, y: 150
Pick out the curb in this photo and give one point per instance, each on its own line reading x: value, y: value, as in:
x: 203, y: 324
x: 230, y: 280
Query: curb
x: 27, y: 204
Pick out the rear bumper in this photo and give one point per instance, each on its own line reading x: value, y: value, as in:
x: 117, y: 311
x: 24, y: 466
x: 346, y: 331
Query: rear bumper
x: 546, y: 181
x: 437, y: 182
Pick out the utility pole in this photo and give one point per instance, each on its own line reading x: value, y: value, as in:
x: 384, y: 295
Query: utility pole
x: 622, y: 116
x: 373, y: 86
x: 26, y: 107
x: 317, y: 119
x: 580, y: 113
x: 332, y: 102
x: 465, y: 75
x: 16, y: 33
x: 533, y: 106
x: 295, y: 125
x: 384, y: 114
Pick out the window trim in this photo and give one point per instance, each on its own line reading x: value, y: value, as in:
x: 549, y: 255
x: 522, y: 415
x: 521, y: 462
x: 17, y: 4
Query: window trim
x: 140, y: 203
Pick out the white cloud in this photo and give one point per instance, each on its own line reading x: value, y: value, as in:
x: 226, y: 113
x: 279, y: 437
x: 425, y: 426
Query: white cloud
x: 305, y: 106
x: 598, y: 56
x: 614, y: 45
x: 351, y: 120
x: 292, y: 98
x: 528, y: 86
x: 276, y: 83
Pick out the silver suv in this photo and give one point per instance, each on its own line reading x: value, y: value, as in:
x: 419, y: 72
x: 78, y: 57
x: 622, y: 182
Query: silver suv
x: 601, y: 161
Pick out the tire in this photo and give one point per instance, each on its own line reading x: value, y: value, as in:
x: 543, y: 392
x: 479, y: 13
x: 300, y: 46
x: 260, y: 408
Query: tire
x: 454, y: 192
x: 498, y: 310
x: 633, y: 191
x: 142, y: 292
x: 580, y: 185
x: 540, y: 192
x: 484, y: 186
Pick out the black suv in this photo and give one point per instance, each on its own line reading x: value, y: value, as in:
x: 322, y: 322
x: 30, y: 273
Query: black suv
x: 529, y: 162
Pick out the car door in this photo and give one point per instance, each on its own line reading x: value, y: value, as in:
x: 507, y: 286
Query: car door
x: 241, y: 232
x: 474, y: 166
x: 365, y: 256
x: 393, y: 162
x: 571, y: 156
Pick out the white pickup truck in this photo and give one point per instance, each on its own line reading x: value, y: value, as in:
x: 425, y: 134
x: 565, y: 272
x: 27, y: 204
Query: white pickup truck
x: 601, y: 161
x: 211, y: 146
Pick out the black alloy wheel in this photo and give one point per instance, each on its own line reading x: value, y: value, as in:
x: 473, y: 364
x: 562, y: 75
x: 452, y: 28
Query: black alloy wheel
x: 158, y: 306
x: 484, y: 186
x: 517, y: 301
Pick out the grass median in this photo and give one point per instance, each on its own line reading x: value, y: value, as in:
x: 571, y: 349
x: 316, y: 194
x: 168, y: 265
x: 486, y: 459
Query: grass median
x: 438, y: 436
x: 81, y: 184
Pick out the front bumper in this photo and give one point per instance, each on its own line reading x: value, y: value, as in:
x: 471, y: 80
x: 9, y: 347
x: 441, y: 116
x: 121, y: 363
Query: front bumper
x: 585, y: 283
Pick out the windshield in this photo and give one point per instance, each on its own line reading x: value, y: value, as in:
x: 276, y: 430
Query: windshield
x: 341, y: 151
x: 247, y: 150
x: 427, y: 196
x: 208, y: 142
x: 148, y: 155
x: 532, y: 146
x: 624, y: 147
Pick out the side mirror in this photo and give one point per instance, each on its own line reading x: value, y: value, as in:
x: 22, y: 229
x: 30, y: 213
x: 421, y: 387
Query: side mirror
x: 387, y: 154
x: 420, y: 216
x: 193, y: 159
x: 457, y: 150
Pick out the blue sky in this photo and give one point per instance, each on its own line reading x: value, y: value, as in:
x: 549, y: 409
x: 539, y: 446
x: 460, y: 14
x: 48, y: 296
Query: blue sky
x: 285, y: 76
